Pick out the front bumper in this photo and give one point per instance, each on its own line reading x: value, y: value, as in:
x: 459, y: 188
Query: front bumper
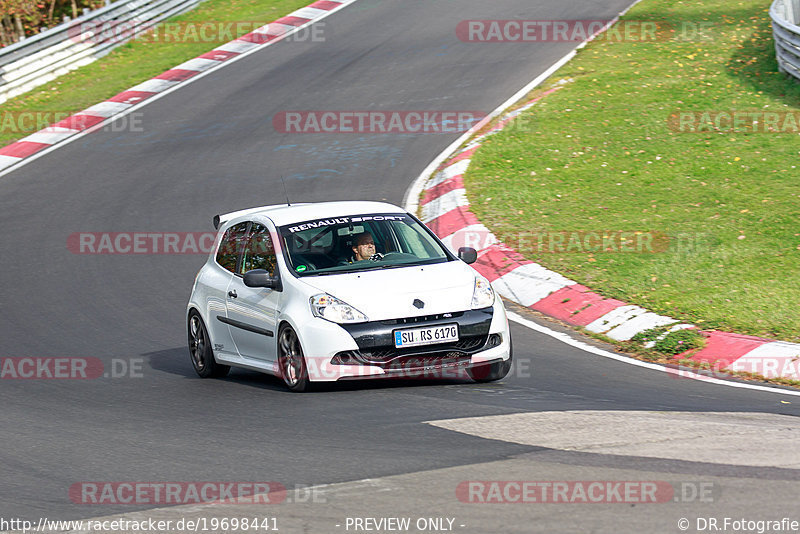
x: 367, y: 350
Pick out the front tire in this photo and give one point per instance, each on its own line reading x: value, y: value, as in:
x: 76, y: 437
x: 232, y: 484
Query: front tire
x: 200, y: 350
x: 291, y: 362
x: 492, y: 372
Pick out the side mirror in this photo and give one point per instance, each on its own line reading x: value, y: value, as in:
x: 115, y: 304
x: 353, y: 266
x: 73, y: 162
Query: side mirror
x: 261, y: 278
x: 468, y: 254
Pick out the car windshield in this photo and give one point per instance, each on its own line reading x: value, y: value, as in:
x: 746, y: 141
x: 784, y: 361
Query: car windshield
x: 358, y: 243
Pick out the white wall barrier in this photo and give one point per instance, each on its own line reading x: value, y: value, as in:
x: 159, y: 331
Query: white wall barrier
x: 785, y: 16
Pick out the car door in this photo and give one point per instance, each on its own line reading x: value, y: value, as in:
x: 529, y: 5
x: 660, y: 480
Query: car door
x: 253, y: 311
x: 215, y: 281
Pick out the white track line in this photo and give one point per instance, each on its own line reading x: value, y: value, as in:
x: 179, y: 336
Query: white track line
x: 566, y: 338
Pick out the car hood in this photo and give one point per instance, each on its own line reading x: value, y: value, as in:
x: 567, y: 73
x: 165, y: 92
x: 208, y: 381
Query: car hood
x: 390, y: 293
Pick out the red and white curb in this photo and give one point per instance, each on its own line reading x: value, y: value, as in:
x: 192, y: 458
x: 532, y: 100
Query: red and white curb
x: 444, y: 207
x: 96, y: 116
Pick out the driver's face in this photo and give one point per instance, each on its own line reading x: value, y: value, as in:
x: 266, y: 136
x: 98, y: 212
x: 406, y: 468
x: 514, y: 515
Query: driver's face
x: 365, y: 248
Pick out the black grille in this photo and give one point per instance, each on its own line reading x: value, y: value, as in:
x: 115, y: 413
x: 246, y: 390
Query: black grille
x: 375, y: 340
x: 435, y: 360
x: 470, y: 343
x: 462, y: 347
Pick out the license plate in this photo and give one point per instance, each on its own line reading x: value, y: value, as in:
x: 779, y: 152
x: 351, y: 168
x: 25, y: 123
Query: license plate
x: 427, y: 335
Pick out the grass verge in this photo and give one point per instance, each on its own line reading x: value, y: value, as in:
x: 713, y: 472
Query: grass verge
x: 603, y: 155
x: 683, y: 362
x: 140, y: 60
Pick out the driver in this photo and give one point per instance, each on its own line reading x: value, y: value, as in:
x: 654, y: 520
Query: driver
x: 364, y: 248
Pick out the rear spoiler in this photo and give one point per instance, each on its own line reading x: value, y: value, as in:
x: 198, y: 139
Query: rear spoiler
x: 222, y: 218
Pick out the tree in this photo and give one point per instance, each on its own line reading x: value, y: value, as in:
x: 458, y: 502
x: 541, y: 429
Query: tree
x: 22, y: 18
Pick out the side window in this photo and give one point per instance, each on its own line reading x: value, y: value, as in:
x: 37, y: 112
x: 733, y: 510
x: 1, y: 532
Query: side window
x: 230, y: 245
x: 259, y: 252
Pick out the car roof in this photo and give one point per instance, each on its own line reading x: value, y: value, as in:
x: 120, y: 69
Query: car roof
x: 282, y: 214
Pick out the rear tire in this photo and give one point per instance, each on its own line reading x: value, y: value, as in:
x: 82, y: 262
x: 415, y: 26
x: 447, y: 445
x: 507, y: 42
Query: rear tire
x: 200, y: 350
x: 492, y: 372
x: 291, y: 362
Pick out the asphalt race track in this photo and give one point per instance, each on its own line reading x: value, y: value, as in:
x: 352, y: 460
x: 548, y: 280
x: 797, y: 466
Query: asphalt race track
x: 211, y: 147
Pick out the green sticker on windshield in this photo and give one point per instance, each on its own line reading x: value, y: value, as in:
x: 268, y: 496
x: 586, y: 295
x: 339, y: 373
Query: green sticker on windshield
x: 301, y: 268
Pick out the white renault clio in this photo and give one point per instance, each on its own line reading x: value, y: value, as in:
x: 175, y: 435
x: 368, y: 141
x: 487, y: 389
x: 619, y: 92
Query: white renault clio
x: 342, y: 290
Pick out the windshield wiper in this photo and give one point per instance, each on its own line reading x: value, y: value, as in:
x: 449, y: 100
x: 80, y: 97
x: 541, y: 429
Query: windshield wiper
x: 386, y: 266
x: 379, y: 266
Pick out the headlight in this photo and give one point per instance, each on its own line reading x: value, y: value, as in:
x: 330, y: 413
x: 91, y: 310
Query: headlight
x: 483, y: 295
x: 332, y: 309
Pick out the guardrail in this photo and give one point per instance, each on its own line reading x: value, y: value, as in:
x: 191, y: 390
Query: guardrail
x: 785, y: 16
x: 73, y: 44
